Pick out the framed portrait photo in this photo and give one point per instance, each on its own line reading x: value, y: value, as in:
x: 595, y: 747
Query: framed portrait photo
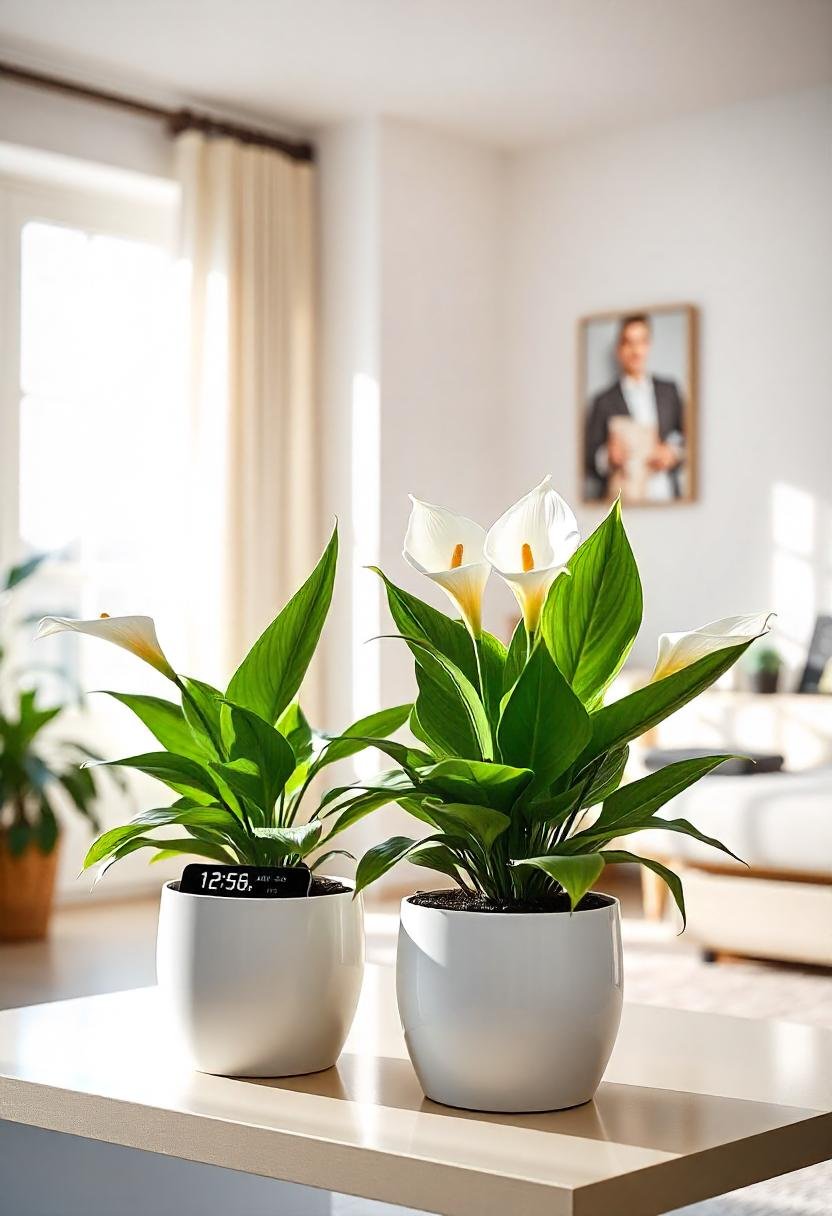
x: 637, y: 405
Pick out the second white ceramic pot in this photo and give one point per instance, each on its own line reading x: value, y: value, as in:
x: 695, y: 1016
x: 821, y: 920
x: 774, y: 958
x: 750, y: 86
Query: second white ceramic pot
x: 510, y: 1011
x: 260, y: 987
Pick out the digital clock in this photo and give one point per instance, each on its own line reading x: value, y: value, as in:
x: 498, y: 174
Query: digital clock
x: 246, y: 882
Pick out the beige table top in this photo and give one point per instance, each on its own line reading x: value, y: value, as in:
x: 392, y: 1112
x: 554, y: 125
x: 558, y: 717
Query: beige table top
x: 693, y: 1105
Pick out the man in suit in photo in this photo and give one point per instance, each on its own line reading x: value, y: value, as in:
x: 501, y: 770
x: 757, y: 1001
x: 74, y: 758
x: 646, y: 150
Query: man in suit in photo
x: 650, y: 454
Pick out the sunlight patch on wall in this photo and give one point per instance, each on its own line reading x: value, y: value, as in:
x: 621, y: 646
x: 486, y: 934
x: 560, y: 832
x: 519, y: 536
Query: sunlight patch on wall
x: 366, y: 517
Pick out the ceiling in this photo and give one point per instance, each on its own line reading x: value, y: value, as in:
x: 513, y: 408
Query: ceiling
x: 511, y: 72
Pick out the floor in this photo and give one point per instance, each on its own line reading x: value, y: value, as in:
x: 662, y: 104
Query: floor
x: 102, y: 947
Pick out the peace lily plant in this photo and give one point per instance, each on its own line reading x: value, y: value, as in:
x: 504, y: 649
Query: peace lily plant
x: 515, y: 783
x: 518, y: 773
x: 241, y: 760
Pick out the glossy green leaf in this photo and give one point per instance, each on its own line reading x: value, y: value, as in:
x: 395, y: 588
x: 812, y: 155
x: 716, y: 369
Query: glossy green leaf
x: 271, y: 673
x: 449, y: 708
x: 294, y: 727
x: 475, y: 781
x: 642, y: 798
x: 516, y: 657
x: 299, y: 839
x: 462, y: 819
x: 493, y: 656
x: 575, y: 874
x: 263, y: 750
x: 619, y: 857
x: 622, y: 721
x: 165, y: 721
x: 437, y: 857
x: 606, y: 777
x: 417, y: 620
x: 180, y: 773
x: 193, y: 815
x: 362, y: 734
x: 590, y: 620
x: 202, y: 706
x: 544, y: 727
x: 382, y: 857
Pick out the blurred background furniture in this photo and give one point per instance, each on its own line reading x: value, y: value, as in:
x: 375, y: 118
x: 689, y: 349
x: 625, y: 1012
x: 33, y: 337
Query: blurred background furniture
x: 778, y: 906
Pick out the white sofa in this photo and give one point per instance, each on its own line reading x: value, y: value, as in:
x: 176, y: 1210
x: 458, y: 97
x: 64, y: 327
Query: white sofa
x: 780, y: 906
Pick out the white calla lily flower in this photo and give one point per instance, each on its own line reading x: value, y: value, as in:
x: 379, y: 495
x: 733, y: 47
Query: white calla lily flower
x: 530, y: 545
x: 134, y: 633
x: 448, y: 549
x: 680, y: 650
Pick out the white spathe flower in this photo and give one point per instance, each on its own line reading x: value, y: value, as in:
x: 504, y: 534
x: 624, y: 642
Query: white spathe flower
x: 680, y: 650
x: 530, y: 545
x: 447, y: 548
x: 134, y: 633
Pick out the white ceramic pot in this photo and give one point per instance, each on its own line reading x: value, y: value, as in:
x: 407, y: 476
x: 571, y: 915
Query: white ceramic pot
x: 260, y: 987
x: 510, y: 1011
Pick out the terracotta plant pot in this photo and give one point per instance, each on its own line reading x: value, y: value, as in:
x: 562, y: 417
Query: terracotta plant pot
x: 27, y: 884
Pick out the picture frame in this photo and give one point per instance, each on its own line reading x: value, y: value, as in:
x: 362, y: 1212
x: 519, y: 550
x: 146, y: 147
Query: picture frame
x: 638, y: 432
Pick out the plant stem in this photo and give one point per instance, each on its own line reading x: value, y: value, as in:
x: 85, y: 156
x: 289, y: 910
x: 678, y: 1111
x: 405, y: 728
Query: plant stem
x: 478, y: 658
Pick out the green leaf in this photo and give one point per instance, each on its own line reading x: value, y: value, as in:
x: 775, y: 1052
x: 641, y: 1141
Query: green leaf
x: 436, y: 857
x: 18, y: 838
x: 554, y: 809
x: 590, y: 620
x: 177, y: 847
x: 23, y: 570
x: 271, y: 673
x: 516, y: 657
x: 294, y: 727
x: 449, y: 708
x: 249, y: 738
x: 593, y: 837
x: 382, y: 857
x: 616, y: 724
x: 417, y: 620
x: 180, y: 773
x: 299, y: 839
x: 607, y: 776
x: 46, y: 828
x: 575, y: 874
x: 362, y: 734
x: 641, y: 799
x: 619, y: 857
x: 165, y: 721
x: 462, y: 819
x: 190, y: 815
x: 476, y: 781
x: 544, y: 727
x: 493, y: 662
x: 202, y: 706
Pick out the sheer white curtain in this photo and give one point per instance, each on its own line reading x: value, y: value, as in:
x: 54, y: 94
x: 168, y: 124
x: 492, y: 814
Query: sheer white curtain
x: 247, y: 255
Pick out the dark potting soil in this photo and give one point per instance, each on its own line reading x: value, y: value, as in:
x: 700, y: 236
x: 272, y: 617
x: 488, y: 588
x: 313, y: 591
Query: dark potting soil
x: 456, y: 900
x: 326, y: 886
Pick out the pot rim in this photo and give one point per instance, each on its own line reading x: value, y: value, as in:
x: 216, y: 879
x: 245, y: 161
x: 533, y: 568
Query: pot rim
x: 173, y: 885
x: 613, y: 902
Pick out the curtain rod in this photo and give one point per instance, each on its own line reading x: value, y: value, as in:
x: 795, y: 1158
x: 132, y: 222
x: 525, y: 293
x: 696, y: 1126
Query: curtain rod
x: 175, y: 120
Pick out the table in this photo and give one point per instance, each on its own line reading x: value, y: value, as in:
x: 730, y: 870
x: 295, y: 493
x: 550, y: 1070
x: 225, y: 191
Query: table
x: 693, y: 1105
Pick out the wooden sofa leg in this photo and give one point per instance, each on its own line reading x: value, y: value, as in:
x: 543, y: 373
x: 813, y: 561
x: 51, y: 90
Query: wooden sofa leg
x: 653, y: 895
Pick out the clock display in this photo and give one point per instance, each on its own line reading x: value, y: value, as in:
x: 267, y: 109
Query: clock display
x: 246, y: 882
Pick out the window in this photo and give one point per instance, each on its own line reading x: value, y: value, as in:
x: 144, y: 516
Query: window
x: 93, y: 429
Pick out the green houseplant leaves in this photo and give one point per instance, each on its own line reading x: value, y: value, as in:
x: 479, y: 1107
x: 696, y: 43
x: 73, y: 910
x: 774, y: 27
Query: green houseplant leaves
x: 241, y: 761
x: 521, y: 781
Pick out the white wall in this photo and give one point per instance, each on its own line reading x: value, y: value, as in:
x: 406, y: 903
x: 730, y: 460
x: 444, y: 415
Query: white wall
x: 730, y: 210
x: 442, y: 347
